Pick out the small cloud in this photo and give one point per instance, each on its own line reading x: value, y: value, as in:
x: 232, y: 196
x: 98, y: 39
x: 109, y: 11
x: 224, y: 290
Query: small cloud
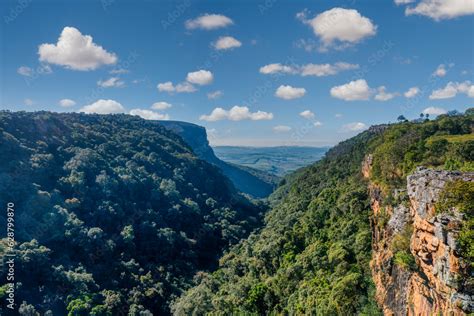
x: 226, y: 43
x: 25, y: 71
x: 200, y: 77
x: 352, y: 91
x: 339, y: 27
x: 236, y: 113
x: 28, y: 102
x: 119, y: 71
x: 338, y: 115
x: 321, y: 70
x: 149, y: 115
x: 354, y: 127
x: 161, y: 106
x: 30, y: 72
x: 412, y: 92
x: 289, y: 92
x: 434, y: 111
x: 383, y: 95
x: 317, y: 70
x: 215, y: 95
x: 400, y: 2
x: 208, y: 22
x: 113, y: 82
x: 440, y: 71
x: 184, y: 87
x: 276, y: 68
x: 103, y: 107
x: 307, y: 114
x: 452, y: 89
x: 67, y: 103
x: 317, y: 124
x: 281, y: 129
x: 441, y: 9
x: 75, y: 51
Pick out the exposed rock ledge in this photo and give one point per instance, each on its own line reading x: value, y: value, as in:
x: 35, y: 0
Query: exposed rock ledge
x: 434, y: 287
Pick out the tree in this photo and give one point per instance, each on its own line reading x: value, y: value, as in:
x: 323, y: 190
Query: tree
x: 401, y: 118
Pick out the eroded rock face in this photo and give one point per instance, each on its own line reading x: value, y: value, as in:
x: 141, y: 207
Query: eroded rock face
x: 434, y: 286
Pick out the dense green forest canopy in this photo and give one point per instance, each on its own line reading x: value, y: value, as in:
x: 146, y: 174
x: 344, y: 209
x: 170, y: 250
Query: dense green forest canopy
x: 116, y: 215
x: 312, y: 256
x: 113, y: 214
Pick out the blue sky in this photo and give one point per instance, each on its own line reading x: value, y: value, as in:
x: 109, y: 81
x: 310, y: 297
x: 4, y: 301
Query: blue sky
x: 333, y: 68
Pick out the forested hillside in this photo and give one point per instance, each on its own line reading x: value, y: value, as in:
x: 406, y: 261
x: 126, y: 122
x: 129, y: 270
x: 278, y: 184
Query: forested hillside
x: 113, y: 214
x: 312, y: 256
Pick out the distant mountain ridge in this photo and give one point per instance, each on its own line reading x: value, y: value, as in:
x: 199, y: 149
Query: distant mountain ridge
x: 254, y: 182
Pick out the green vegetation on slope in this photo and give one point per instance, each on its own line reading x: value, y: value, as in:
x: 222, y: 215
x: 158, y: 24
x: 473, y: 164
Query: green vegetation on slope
x: 312, y: 256
x: 113, y: 214
x: 445, y: 143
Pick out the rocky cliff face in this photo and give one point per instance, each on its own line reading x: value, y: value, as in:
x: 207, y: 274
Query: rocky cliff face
x: 433, y: 284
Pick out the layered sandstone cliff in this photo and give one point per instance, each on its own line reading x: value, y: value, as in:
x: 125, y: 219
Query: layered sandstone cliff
x: 433, y: 285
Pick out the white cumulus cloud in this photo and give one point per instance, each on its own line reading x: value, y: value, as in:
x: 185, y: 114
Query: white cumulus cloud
x: 103, y: 107
x: 442, y: 9
x: 317, y: 124
x: 67, y: 103
x: 281, y: 129
x: 434, y: 111
x: 354, y: 127
x: 149, y: 115
x: 28, y: 102
x: 75, y: 51
x: 113, y: 82
x: 452, y: 89
x: 184, y: 87
x: 200, y: 77
x: 318, y: 70
x: 412, y: 92
x: 276, y: 68
x: 383, y: 95
x: 208, y: 22
x: 289, y: 92
x: 307, y: 114
x: 339, y: 27
x: 236, y: 113
x: 226, y: 42
x: 161, y: 105
x: 354, y: 90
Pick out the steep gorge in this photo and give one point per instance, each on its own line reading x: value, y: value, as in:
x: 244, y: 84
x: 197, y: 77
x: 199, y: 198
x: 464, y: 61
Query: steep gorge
x: 365, y: 231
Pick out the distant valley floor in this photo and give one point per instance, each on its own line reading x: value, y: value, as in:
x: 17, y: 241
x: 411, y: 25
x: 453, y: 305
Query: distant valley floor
x: 275, y: 160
